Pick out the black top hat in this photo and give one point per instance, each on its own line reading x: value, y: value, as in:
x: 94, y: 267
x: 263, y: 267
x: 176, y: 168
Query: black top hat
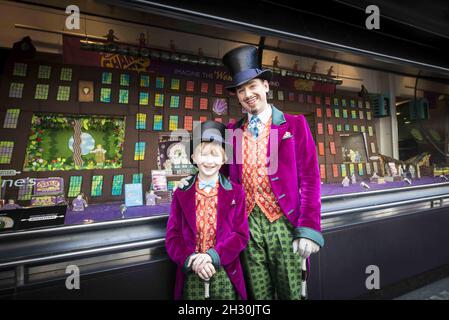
x: 208, y: 131
x: 244, y: 65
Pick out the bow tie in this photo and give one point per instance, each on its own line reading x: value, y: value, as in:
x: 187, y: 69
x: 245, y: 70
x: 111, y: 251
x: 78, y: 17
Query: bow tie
x: 204, y: 184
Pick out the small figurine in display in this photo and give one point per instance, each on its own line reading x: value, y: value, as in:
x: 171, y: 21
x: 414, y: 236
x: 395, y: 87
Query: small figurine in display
x: 364, y: 185
x: 11, y: 205
x: 78, y: 204
x: 353, y: 179
x: 345, y: 182
x: 150, y: 198
x: 443, y: 178
x: 352, y: 155
x: 407, y: 180
x: 330, y: 71
x: 374, y: 177
x: 314, y: 68
x: 110, y: 37
x: 142, y: 40
x: 363, y: 93
x: 276, y: 62
x: 296, y: 65
x: 99, y: 155
x: 412, y: 171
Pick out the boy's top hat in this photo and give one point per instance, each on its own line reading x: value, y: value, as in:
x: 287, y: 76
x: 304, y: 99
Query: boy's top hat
x: 244, y: 65
x: 208, y: 131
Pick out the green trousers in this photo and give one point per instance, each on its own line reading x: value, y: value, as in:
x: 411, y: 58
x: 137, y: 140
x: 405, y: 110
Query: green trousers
x: 220, y: 287
x: 272, y: 270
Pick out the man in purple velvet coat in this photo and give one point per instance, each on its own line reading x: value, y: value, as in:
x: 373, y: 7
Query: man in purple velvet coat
x: 275, y: 159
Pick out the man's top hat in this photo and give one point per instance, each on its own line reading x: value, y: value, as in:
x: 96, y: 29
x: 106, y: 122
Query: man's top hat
x: 244, y: 65
x: 208, y: 131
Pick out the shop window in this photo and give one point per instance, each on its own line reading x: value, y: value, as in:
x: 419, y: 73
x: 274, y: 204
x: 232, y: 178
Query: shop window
x: 159, y: 82
x: 343, y: 103
x: 41, y: 92
x: 203, y: 103
x: 190, y: 86
x: 319, y: 113
x: 174, y: 102
x: 204, y: 87
x: 291, y: 96
x: 188, y: 123
x: 141, y: 121
x: 175, y: 83
x: 123, y: 96
x: 63, y: 93
x: 25, y: 191
x: 11, y: 118
x: 16, y: 90
x: 75, y: 186
x: 270, y: 94
x: 137, y: 177
x: 173, y: 123
x: 189, y: 103
x: 159, y: 100
x: 143, y: 98
x: 158, y: 122
x: 66, y: 74
x: 44, y: 72
x: 20, y: 69
x: 106, y: 77
x: 124, y: 80
x: 117, y: 185
x: 336, y: 102
x: 337, y: 113
x: 97, y: 186
x: 105, y: 95
x: 281, y: 95
x: 218, y: 88
x: 203, y: 118
x: 144, y: 80
x: 139, y: 151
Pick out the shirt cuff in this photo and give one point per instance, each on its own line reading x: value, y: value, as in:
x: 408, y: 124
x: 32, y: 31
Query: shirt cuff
x: 308, y: 233
x: 215, y: 258
x: 184, y: 268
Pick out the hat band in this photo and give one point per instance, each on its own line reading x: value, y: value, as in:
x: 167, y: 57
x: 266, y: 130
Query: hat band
x: 245, y: 75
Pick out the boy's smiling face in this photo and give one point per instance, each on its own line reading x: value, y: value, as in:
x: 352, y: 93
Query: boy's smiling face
x: 209, y: 157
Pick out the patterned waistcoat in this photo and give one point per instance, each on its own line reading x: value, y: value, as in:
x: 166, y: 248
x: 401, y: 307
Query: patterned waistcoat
x: 254, y: 173
x: 206, y: 218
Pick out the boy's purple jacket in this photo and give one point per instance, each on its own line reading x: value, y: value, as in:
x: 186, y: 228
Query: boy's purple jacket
x: 296, y: 182
x: 231, y: 238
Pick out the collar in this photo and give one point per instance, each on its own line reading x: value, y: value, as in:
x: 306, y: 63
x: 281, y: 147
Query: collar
x: 278, y: 117
x: 264, y: 116
x: 224, y: 182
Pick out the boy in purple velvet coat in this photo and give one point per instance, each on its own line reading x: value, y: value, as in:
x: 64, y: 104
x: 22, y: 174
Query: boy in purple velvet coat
x: 208, y: 228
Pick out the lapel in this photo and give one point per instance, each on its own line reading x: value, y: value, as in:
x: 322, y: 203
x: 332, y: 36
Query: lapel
x: 278, y: 125
x: 225, y: 197
x: 239, y: 125
x: 188, y: 200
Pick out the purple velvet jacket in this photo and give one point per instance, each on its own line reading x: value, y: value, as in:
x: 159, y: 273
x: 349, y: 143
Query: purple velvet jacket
x: 232, y: 232
x: 296, y: 179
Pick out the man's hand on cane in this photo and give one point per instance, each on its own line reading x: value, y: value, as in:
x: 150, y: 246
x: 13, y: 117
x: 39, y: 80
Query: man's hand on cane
x: 207, y: 272
x: 305, y: 247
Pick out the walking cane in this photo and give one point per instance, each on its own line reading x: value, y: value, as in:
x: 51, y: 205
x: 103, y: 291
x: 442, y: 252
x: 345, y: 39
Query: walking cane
x: 206, y: 289
x: 304, y: 276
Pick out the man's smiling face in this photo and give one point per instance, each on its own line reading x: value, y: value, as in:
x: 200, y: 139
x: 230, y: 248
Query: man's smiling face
x: 253, y: 95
